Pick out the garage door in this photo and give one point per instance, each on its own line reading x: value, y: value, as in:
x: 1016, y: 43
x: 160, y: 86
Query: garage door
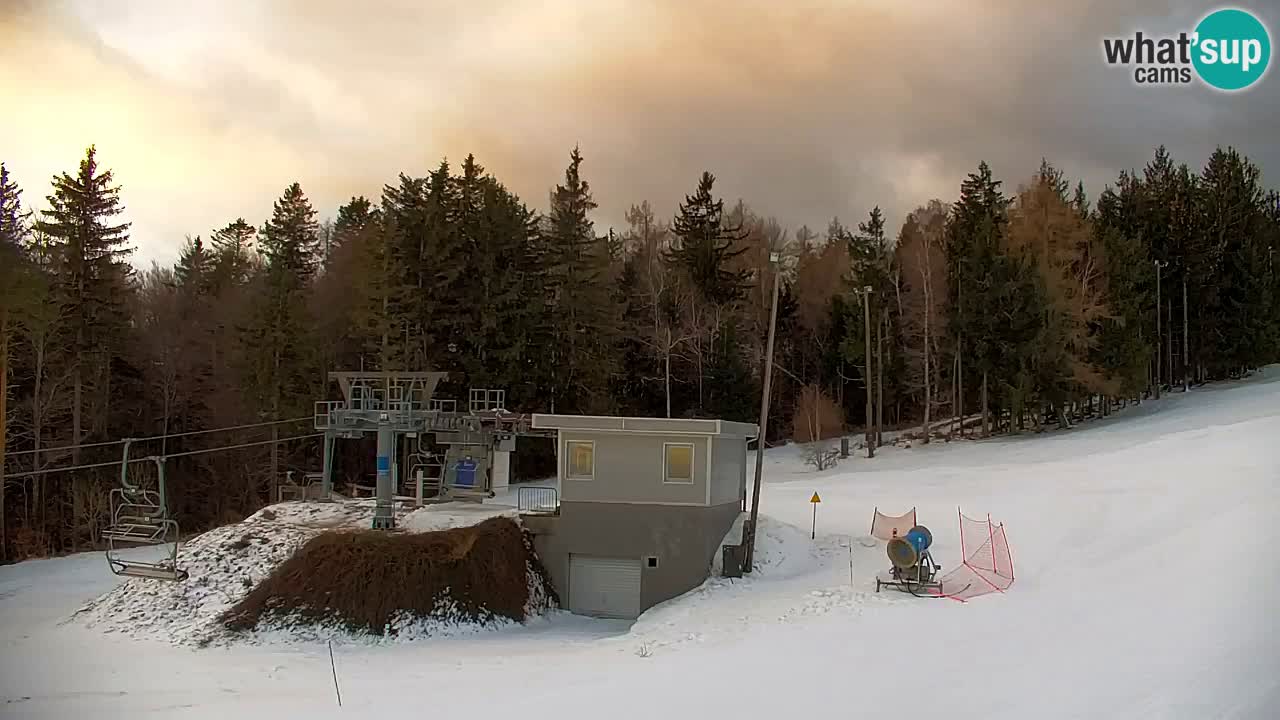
x: 604, y: 587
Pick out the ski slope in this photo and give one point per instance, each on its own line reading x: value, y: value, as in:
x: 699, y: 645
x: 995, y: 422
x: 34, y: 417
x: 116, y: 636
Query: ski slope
x: 1146, y: 588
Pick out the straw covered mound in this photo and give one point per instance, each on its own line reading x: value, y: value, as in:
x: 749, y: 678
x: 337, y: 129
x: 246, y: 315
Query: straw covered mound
x: 380, y: 582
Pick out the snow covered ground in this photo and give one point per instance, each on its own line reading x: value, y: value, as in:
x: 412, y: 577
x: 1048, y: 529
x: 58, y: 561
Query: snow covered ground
x: 226, y: 563
x: 1145, y: 588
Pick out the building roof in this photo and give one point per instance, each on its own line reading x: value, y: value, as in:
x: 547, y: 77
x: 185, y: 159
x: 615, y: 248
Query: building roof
x: 648, y: 426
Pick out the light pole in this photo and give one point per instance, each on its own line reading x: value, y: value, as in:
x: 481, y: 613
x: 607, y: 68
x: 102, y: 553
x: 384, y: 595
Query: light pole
x: 749, y: 560
x: 866, y: 323
x: 1159, y: 337
x: 1186, y: 336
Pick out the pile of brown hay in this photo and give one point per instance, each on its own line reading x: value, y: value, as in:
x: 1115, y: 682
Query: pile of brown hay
x: 367, y: 581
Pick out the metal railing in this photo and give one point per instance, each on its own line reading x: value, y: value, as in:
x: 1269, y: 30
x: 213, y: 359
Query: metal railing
x: 538, y: 500
x: 486, y: 400
x: 323, y: 416
x: 436, y: 405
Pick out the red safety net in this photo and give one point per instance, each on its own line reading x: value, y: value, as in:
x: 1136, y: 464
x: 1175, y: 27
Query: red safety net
x: 886, y: 527
x: 988, y: 562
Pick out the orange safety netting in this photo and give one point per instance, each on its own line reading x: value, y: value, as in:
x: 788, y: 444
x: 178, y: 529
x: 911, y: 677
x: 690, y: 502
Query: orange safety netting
x: 988, y: 562
x: 886, y: 527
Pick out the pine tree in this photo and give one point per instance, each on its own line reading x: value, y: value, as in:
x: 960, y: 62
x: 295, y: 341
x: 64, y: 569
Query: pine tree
x: 1235, y: 324
x: 583, y: 320
x: 975, y: 230
x: 347, y: 293
x: 705, y: 245
x: 232, y: 254
x: 1270, y: 211
x: 289, y: 240
x: 92, y: 281
x: 1127, y: 344
x: 354, y: 218
x: 493, y: 321
x: 14, y: 292
x: 281, y: 373
x: 194, y: 268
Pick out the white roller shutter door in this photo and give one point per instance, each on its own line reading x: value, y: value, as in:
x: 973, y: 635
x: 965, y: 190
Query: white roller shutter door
x: 604, y: 587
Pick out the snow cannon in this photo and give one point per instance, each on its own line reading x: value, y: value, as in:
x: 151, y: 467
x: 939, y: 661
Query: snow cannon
x: 906, y: 551
x: 913, y: 570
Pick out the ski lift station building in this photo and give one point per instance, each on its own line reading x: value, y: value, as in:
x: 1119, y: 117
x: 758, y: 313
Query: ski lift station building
x: 644, y: 506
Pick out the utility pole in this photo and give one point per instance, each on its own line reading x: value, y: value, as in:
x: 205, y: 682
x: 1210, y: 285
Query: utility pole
x: 1159, y: 337
x: 1168, y: 368
x: 1186, y: 341
x: 866, y: 321
x: 749, y: 560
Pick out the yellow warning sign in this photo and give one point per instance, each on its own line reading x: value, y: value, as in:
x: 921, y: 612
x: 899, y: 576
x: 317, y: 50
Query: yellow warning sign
x: 815, y: 498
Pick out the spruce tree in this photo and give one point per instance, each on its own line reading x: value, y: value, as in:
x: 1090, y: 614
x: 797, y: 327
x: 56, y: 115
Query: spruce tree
x: 1235, y: 322
x: 231, y: 249
x: 290, y: 242
x: 583, y: 321
x: 194, y: 269
x: 975, y: 232
x: 279, y: 339
x: 92, y: 281
x: 14, y: 221
x: 1270, y: 212
x: 705, y: 244
x: 1127, y: 344
x: 14, y: 292
x: 354, y: 218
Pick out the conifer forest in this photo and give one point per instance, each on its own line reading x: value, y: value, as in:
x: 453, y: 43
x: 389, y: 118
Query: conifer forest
x: 1014, y: 305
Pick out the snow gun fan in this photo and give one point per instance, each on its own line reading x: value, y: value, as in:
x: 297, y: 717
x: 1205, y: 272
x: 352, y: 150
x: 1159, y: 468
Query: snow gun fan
x: 913, y: 569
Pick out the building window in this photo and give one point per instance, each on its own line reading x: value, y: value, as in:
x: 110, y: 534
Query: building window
x: 678, y: 463
x: 580, y: 462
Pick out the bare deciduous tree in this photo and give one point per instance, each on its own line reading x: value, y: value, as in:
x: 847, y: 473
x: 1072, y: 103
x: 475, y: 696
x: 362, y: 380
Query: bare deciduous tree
x: 922, y: 257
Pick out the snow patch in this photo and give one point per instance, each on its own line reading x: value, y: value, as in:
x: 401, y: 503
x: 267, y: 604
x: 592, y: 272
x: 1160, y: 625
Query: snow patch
x: 224, y: 564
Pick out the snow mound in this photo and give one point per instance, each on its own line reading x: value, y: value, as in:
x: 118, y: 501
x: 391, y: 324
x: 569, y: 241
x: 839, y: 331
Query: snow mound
x: 225, y: 563
x: 782, y: 550
x: 795, y: 578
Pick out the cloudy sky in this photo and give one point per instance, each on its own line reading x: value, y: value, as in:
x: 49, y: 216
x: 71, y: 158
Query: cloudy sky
x: 806, y: 109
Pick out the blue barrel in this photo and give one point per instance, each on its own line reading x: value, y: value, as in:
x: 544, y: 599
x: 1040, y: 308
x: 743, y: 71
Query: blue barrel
x: 466, y: 473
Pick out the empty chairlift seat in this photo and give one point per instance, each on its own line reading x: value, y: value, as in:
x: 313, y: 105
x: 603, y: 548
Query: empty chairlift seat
x: 604, y: 587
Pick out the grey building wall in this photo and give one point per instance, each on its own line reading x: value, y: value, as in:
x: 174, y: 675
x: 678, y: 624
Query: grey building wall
x: 728, y: 470
x: 629, y: 469
x: 683, y: 539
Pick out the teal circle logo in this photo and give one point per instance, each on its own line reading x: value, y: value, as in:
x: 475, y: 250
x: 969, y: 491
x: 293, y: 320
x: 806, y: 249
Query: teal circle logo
x: 1232, y: 49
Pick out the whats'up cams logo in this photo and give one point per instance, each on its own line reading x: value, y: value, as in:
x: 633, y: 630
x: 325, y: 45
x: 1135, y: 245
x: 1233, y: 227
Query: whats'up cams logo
x: 1228, y: 50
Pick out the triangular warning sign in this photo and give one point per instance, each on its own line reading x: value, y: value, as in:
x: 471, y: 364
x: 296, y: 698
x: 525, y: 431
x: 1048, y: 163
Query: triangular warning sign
x: 815, y: 498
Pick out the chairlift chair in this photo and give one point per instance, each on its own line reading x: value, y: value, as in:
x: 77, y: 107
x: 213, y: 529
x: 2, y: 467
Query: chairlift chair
x: 140, y: 518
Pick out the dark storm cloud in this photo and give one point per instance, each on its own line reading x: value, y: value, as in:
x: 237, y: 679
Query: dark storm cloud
x: 805, y: 110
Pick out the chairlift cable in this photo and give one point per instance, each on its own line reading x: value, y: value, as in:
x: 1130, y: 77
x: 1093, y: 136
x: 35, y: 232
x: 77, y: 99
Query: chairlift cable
x: 45, y: 471
x: 158, y: 437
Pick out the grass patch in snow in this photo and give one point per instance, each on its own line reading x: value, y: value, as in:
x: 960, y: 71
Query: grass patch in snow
x: 380, y: 583
x: 227, y: 563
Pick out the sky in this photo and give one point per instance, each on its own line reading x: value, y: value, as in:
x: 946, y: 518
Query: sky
x: 806, y: 110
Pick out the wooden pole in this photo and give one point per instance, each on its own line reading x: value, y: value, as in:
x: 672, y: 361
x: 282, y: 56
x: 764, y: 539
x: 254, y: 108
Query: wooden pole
x: 4, y: 425
x: 1186, y: 341
x: 1159, y: 335
x: 866, y: 321
x: 764, y: 416
x: 880, y: 379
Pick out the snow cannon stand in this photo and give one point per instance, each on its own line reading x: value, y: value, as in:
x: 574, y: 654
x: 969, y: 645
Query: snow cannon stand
x: 912, y: 567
